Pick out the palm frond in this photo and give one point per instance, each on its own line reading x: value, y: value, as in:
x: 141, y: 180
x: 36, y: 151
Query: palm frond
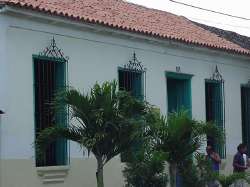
x: 52, y: 134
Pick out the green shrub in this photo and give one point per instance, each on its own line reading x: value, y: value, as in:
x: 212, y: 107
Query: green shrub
x: 146, y: 170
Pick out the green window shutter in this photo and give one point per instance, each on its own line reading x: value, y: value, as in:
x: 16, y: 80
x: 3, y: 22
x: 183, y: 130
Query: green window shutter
x: 215, y: 110
x: 179, y: 95
x: 131, y: 81
x: 50, y: 77
x: 245, y: 113
x: 61, y: 116
x: 137, y: 88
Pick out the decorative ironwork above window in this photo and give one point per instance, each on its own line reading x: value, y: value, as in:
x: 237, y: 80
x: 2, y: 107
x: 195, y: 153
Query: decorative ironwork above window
x: 217, y: 75
x: 52, y: 51
x: 132, y: 78
x: 134, y: 64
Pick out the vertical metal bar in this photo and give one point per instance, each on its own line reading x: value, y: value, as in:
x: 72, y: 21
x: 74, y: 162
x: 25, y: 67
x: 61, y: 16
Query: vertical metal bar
x: 53, y: 92
x: 127, y: 81
x: 49, y: 114
x: 41, y: 103
x: 67, y: 85
x: 224, y: 117
x: 133, y: 84
x: 144, y: 85
x: 130, y: 82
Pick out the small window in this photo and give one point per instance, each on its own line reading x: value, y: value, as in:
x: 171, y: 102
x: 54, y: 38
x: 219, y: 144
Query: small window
x: 49, y: 78
x: 215, y: 111
x: 131, y: 81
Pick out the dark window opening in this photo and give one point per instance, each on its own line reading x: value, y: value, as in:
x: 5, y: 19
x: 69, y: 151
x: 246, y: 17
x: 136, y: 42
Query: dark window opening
x: 245, y: 113
x: 49, y: 78
x: 132, y: 81
x: 215, y: 111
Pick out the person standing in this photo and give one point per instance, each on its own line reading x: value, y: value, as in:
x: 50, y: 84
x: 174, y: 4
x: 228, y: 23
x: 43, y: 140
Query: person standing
x: 239, y: 163
x: 215, y: 160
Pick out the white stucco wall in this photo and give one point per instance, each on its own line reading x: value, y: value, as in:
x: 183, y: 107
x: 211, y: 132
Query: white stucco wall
x: 95, y: 56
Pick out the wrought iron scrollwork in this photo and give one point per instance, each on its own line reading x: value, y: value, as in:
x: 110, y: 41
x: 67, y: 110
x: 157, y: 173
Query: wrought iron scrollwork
x: 52, y: 51
x: 217, y: 76
x: 134, y: 64
x: 132, y: 77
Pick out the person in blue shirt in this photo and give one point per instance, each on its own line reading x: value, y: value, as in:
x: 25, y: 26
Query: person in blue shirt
x: 239, y: 163
x: 215, y: 161
x: 214, y: 158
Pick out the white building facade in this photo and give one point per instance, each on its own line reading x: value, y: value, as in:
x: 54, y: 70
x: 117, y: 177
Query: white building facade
x: 95, y: 55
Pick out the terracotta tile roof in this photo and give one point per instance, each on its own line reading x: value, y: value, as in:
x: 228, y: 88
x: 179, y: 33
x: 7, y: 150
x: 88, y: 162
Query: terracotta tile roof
x: 133, y: 18
x: 243, y: 41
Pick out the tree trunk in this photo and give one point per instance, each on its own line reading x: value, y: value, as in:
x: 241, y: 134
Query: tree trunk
x: 99, y: 173
x: 173, y: 171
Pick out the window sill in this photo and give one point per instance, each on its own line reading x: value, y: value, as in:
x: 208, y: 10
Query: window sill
x: 53, y: 174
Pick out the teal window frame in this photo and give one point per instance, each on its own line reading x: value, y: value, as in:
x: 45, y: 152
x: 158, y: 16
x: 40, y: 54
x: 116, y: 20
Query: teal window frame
x: 187, y: 79
x: 61, y: 145
x: 139, y: 82
x: 183, y: 82
x: 216, y: 114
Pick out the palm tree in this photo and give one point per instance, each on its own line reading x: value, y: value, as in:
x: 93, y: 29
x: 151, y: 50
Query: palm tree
x: 180, y: 137
x: 104, y: 121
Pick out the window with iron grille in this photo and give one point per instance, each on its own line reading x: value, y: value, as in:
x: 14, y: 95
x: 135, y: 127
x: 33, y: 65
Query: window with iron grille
x: 215, y: 108
x: 245, y: 113
x: 50, y: 70
x: 132, y: 78
x: 215, y: 111
x: 49, y: 79
x: 131, y: 81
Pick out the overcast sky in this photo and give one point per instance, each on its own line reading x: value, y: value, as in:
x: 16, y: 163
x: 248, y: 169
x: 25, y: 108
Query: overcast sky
x: 238, y: 8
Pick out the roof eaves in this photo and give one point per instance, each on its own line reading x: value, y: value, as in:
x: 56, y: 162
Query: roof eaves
x: 124, y: 28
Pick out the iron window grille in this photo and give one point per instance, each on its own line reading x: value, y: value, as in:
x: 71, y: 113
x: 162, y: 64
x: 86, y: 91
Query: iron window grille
x: 215, y: 107
x: 50, y: 77
x: 132, y: 78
